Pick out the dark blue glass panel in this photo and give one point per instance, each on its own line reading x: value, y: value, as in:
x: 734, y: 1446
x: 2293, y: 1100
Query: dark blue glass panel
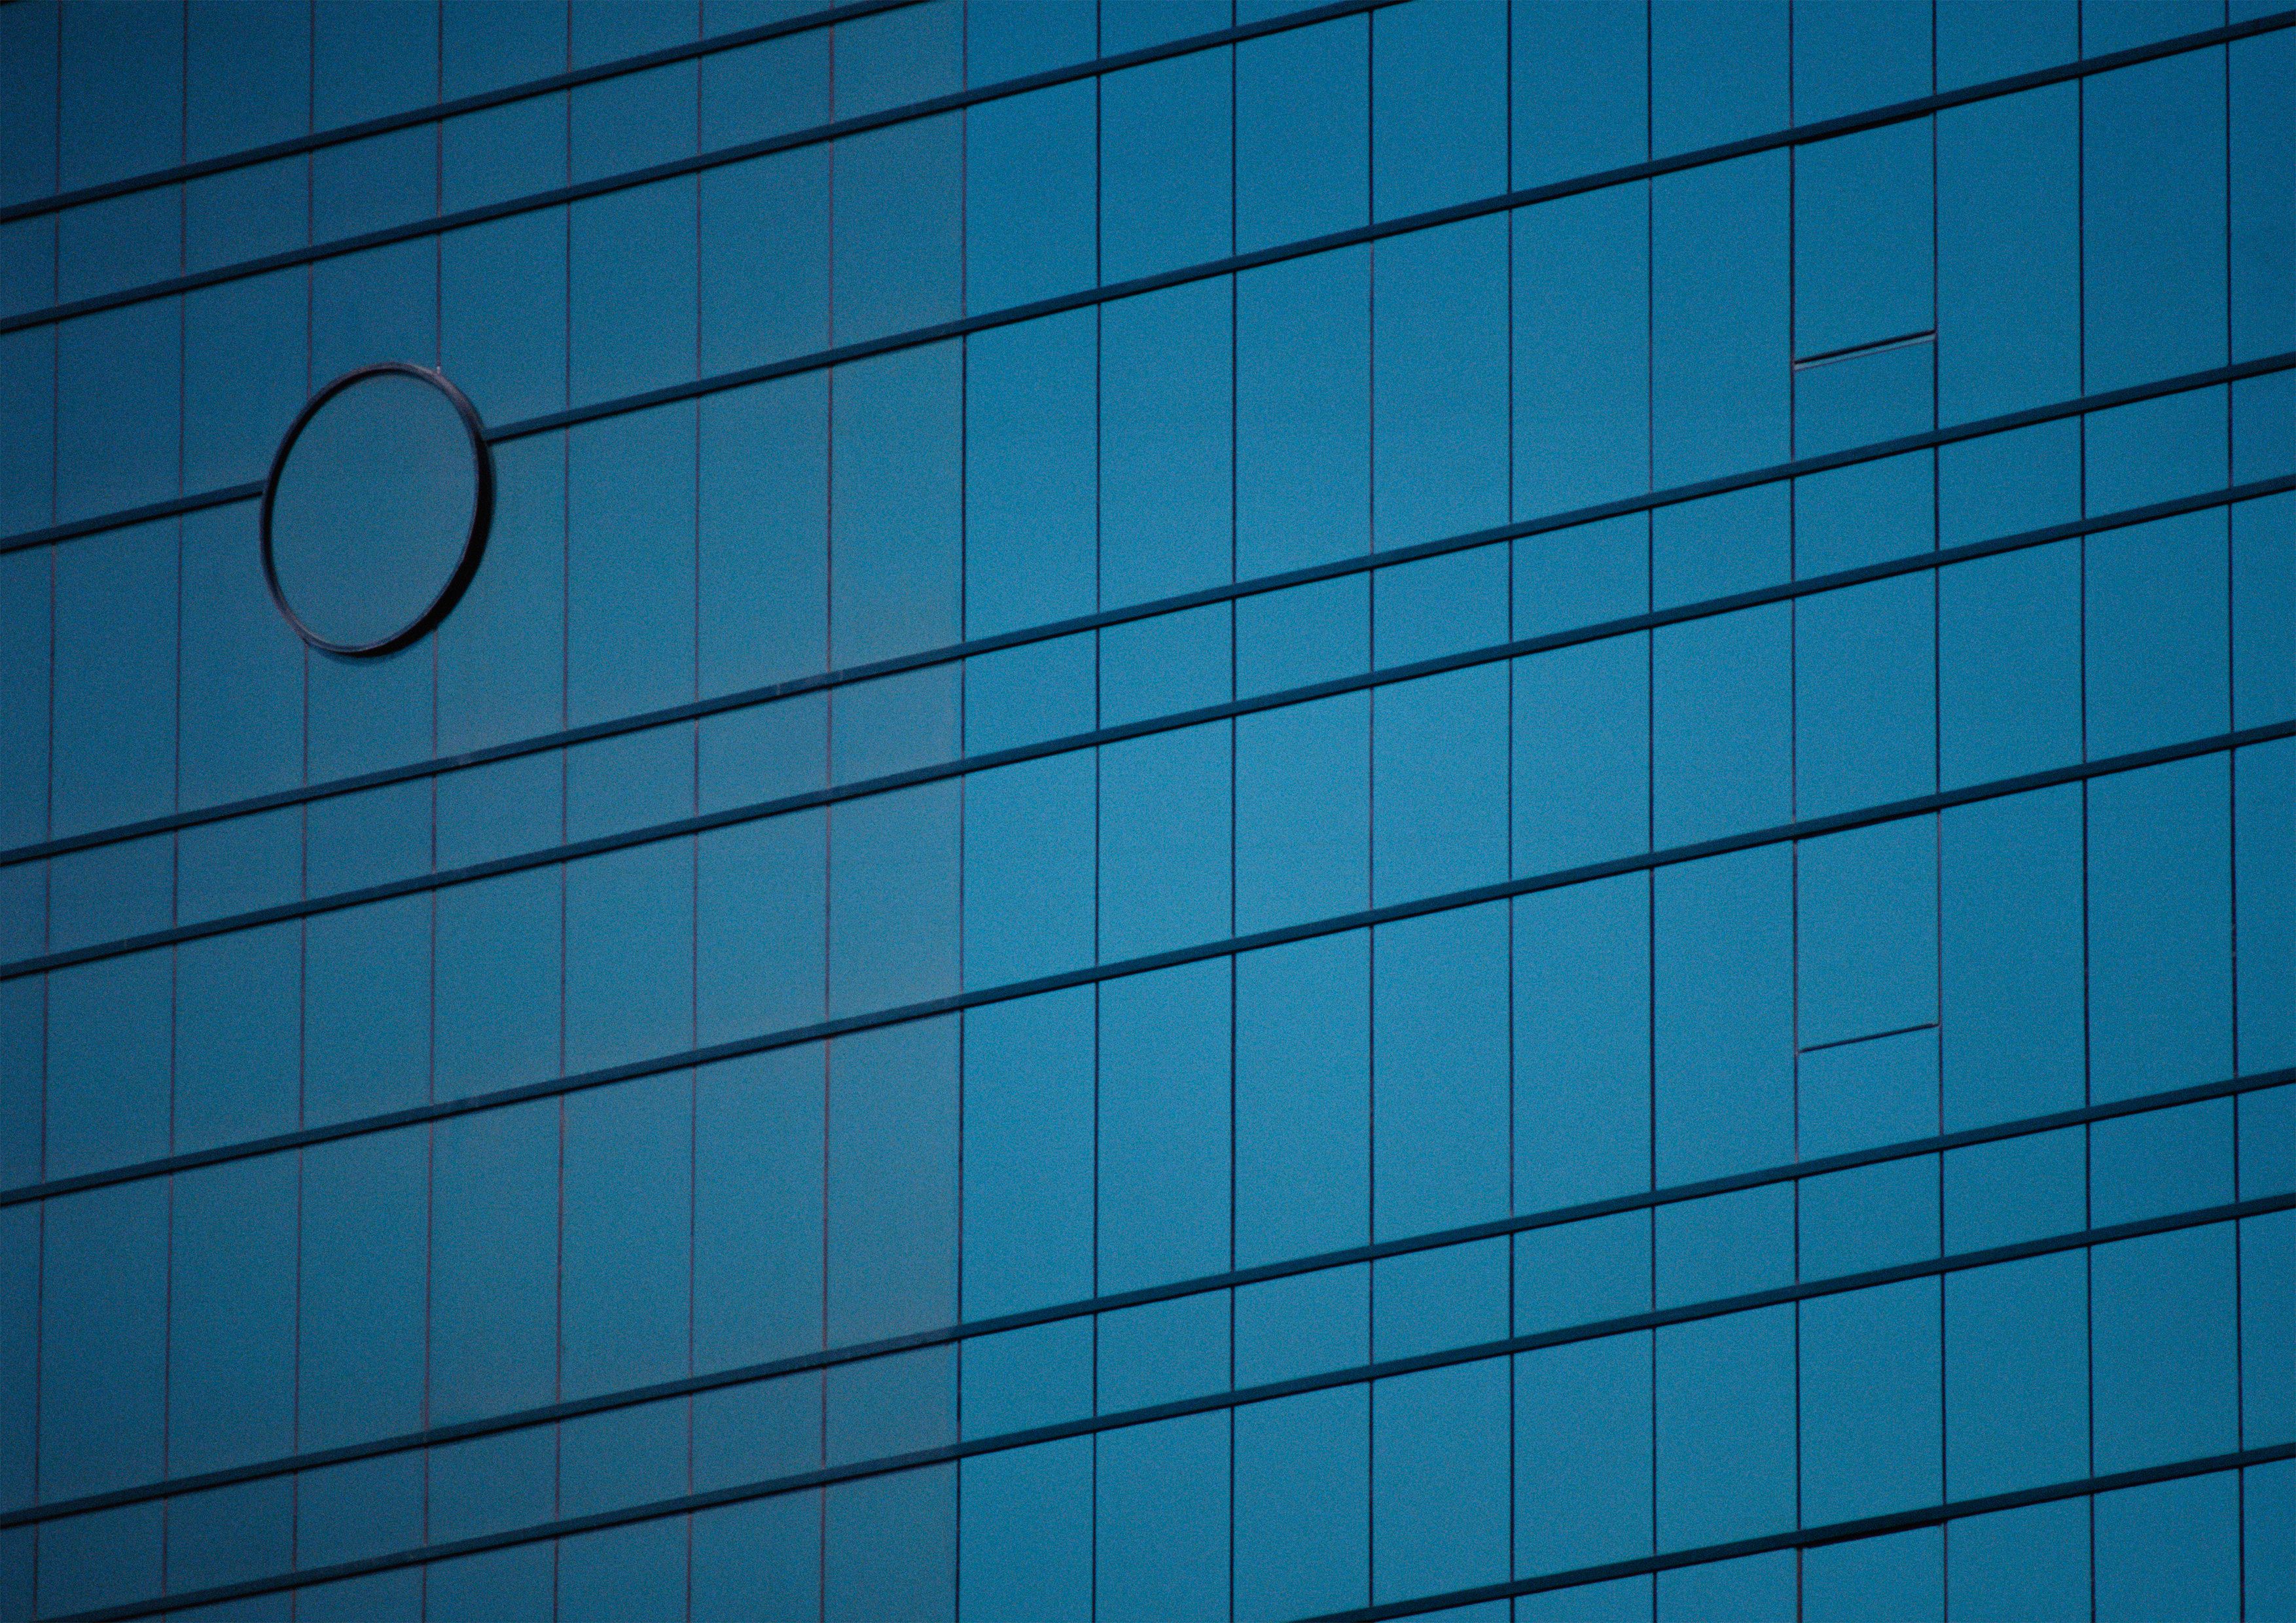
x: 1583, y: 1493
x: 1722, y: 729
x: 1029, y: 1137
x: 1840, y: 1582
x: 1306, y: 1325
x: 121, y: 93
x: 2263, y: 609
x: 626, y: 1299
x: 1439, y: 784
x: 1302, y: 132
x: 1006, y: 39
x: 366, y: 66
x: 1868, y: 512
x: 634, y: 120
x: 237, y: 1075
x: 1028, y: 694
x: 2018, y: 1188
x: 1029, y: 869
x: 244, y: 1531
x: 2156, y: 623
x: 240, y: 214
x: 2153, y: 450
x: 19, y: 1360
x: 899, y: 56
x: 764, y: 542
x: 1452, y: 603
x: 116, y: 671
x: 1720, y: 308
x: 2009, y: 251
x: 2162, y: 1328
x: 1582, y: 1035
x: 758, y: 1208
x: 760, y: 1557
x: 1030, y: 228
x: 1162, y: 1352
x: 1723, y: 1245
x: 1720, y: 544
x: 1978, y: 40
x: 363, y: 1275
x: 27, y: 453
x: 1439, y: 451
x: 1303, y: 812
x: 2267, y: 1323
x: 2160, y: 928
x: 1029, y: 1377
x: 2262, y: 72
x: 601, y: 33
x: 1303, y: 412
x: 633, y: 1571
x: 896, y: 505
x: 1440, y: 1508
x: 2169, y: 1549
x: 2016, y: 1364
x: 1161, y: 1522
x: 1031, y: 495
x: 1849, y: 57
x: 1167, y: 168
x: 2152, y: 220
x: 889, y: 1548
x: 1024, y: 1547
x: 98, y: 1560
x: 630, y: 604
x: 1302, y: 1493
x: 1718, y: 72
x: 894, y: 897
x: 1863, y: 252
x: 1872, y: 1425
x: 103, y: 1340
x: 2161, y: 1162
x: 110, y: 246
x: 1302, y: 1099
x: 1167, y: 436
x: 1725, y: 1406
x: 2268, y: 1553
x: 2264, y: 783
x: 897, y: 228
x: 232, y: 1318
x: 513, y: 1585
x: 1875, y: 1092
x: 1164, y: 1140
x: 631, y: 278
x: 494, y: 1274
x: 109, y: 1062
x: 2031, y: 1563
x: 2017, y: 612
x: 760, y: 914
x: 1439, y: 96
x: 1581, y: 88
x: 485, y: 45
x: 1430, y: 1301
x: 499, y: 950
x: 1864, y: 695
x: 28, y: 112
x: 242, y: 667
x: 247, y: 75
x: 1865, y: 935
x: 366, y: 1018
x: 2117, y: 25
x: 503, y: 319
x: 1440, y: 1072
x: 1724, y: 963
x: 1165, y: 850
x: 629, y: 954
x: 2012, y: 993
x: 892, y: 1181
x: 1869, y: 1217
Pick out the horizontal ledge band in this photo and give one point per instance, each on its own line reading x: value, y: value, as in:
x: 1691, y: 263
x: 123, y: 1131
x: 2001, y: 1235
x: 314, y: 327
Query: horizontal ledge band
x: 1838, y: 1532
x: 439, y: 225
x: 962, y: 766
x: 1096, y: 974
x: 437, y: 112
x: 1213, y: 1403
x: 1897, y: 112
x: 1115, y: 1301
x: 2215, y: 377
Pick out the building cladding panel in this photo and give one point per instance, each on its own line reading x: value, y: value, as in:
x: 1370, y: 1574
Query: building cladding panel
x: 1248, y: 813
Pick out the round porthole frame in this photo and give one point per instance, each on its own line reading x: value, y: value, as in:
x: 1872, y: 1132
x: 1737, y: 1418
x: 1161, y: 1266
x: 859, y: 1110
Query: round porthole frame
x: 474, y: 542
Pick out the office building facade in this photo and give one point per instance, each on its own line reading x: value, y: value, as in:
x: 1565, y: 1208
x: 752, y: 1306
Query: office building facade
x: 1177, y: 810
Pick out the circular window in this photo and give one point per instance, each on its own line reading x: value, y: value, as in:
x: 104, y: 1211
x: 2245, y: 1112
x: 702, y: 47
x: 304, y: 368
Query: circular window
x: 376, y: 510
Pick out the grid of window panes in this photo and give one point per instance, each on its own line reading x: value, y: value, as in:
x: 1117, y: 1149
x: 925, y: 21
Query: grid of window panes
x: 1407, y: 969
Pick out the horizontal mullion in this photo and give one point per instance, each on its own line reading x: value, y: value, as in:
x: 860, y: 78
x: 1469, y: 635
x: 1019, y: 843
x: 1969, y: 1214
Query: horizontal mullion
x: 1113, y: 1301
x: 1096, y: 974
x: 908, y: 112
x: 1897, y: 112
x: 2215, y: 377
x: 440, y: 111
x: 1210, y: 1402
x: 1804, y: 1538
x: 966, y: 766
